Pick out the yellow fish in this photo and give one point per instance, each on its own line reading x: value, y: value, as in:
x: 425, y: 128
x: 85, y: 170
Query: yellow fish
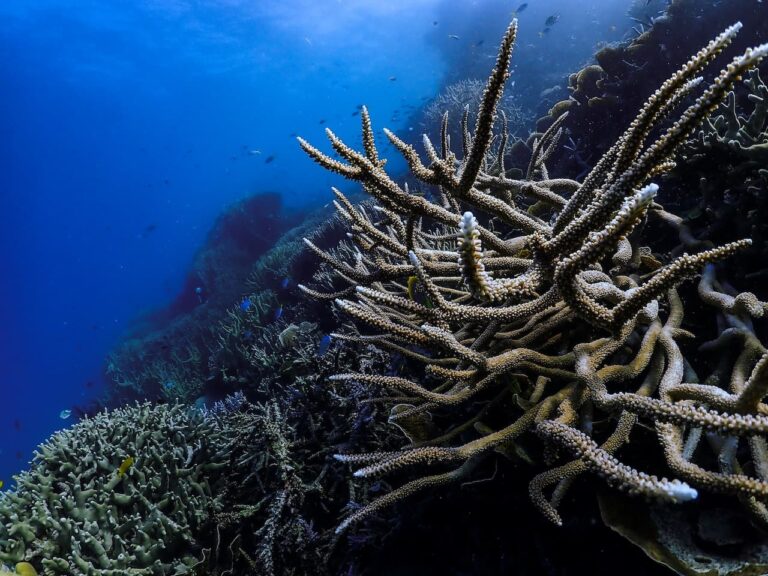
x: 412, y: 280
x: 417, y: 293
x: 25, y: 569
x: 1, y: 484
x: 125, y: 466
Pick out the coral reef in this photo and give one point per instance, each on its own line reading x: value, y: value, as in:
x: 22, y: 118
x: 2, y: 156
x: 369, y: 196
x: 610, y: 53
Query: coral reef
x: 464, y: 97
x: 166, y: 355
x: 552, y: 312
x: 506, y: 324
x: 284, y: 491
x: 604, y: 95
x: 729, y: 192
x: 288, y: 491
x: 77, y: 510
x: 160, y: 489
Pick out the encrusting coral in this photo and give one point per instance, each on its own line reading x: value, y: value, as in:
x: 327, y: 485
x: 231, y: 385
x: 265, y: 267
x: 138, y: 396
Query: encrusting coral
x: 548, y: 313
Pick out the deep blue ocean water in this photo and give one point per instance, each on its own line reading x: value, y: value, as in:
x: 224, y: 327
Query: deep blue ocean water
x: 127, y: 127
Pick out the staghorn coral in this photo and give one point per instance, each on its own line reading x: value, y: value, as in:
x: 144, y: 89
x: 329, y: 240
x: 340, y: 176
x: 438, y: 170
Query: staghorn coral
x: 552, y: 299
x: 627, y: 71
x: 461, y: 99
x: 285, y: 492
x: 282, y: 498
x: 725, y: 163
x: 73, y: 513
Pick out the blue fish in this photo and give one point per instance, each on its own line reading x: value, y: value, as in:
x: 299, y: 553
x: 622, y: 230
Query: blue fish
x: 245, y: 305
x: 325, y: 343
x: 285, y: 283
x: 279, y: 312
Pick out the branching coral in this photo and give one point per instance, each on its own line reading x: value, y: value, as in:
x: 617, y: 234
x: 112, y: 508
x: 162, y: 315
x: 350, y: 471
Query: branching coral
x: 462, y: 98
x: 542, y: 289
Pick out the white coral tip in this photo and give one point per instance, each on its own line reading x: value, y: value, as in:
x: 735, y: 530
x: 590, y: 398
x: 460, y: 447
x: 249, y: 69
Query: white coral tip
x: 646, y: 194
x: 467, y: 223
x: 680, y: 491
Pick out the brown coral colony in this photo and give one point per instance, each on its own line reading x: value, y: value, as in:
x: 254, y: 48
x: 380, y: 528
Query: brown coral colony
x: 542, y: 289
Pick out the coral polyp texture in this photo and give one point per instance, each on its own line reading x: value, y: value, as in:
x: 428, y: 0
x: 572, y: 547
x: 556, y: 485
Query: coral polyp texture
x: 124, y: 492
x: 538, y: 307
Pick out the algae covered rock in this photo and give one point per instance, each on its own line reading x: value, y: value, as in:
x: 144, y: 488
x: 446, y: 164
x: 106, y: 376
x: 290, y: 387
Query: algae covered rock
x: 124, y: 492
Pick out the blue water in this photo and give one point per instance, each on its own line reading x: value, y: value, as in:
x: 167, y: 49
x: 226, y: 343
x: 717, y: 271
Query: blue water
x: 128, y: 127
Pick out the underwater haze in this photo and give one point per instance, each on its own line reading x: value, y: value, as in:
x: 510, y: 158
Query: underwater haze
x: 128, y: 127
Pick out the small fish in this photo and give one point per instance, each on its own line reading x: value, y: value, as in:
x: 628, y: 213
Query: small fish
x: 434, y: 23
x: 25, y: 569
x: 552, y: 20
x: 453, y: 36
x: 64, y: 414
x: 254, y: 152
x: 322, y: 121
x: 278, y: 312
x: 168, y: 386
x: 125, y: 465
x: 245, y: 304
x: 520, y: 8
x: 269, y: 160
x: 1, y: 484
x: 289, y: 336
x: 148, y: 229
x: 544, y: 32
x: 285, y: 283
x: 325, y: 343
x: 479, y: 43
x: 416, y: 292
x: 356, y: 112
x: 417, y: 427
x: 412, y: 280
x: 392, y: 78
